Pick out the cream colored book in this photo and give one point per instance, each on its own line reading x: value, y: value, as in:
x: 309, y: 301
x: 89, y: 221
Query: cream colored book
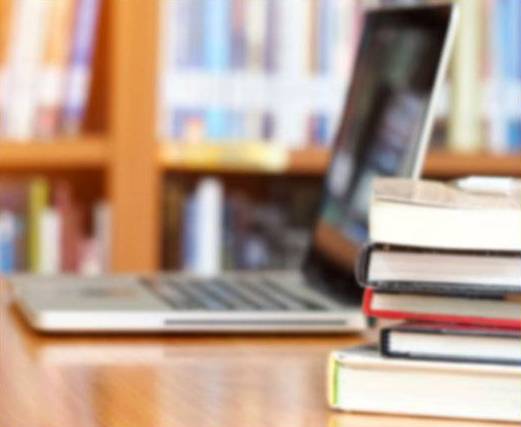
x: 361, y: 380
x: 472, y: 214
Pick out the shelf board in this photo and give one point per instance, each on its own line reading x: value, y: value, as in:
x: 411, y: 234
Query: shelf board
x: 57, y: 154
x: 252, y: 157
x: 446, y: 164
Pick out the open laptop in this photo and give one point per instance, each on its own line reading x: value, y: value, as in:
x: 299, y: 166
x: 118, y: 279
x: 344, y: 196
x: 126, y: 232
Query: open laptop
x: 385, y: 128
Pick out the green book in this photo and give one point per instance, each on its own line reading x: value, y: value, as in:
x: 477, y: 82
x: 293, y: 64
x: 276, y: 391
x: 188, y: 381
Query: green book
x: 37, y: 202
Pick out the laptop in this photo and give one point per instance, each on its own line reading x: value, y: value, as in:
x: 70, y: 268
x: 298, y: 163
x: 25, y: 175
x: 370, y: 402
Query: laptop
x: 384, y: 130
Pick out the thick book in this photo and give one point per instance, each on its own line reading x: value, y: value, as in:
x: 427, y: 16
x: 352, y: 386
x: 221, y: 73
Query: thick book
x: 502, y: 312
x: 361, y: 380
x: 452, y: 343
x: 444, y: 272
x: 485, y: 215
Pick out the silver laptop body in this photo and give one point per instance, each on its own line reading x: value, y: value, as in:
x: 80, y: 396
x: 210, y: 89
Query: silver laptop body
x: 385, y: 128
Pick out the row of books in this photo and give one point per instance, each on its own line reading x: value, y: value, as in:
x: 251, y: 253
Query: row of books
x: 208, y: 228
x: 44, y: 230
x: 485, y: 111
x: 46, y: 50
x: 444, y: 259
x: 255, y: 69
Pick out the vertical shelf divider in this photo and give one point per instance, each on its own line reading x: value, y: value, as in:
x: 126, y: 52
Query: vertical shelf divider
x: 133, y: 174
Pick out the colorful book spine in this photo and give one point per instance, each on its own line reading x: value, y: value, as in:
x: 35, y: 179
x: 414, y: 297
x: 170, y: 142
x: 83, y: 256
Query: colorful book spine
x: 79, y: 67
x: 23, y: 59
x: 52, y: 71
x: 6, y: 19
x: 217, y: 52
x: 37, y: 203
x: 7, y: 242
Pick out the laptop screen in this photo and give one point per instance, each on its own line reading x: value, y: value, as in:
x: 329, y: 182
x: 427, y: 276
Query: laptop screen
x: 380, y: 133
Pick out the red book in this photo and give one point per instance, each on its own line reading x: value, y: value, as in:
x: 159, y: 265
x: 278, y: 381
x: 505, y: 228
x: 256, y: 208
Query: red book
x: 504, y: 312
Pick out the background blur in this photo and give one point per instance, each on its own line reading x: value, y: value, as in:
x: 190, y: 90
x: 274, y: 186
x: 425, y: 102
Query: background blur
x: 137, y: 135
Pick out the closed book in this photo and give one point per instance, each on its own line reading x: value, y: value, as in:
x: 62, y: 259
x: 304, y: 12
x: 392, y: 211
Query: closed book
x: 7, y: 242
x: 361, y: 380
x: 28, y: 29
x: 49, y: 258
x: 52, y: 74
x: 452, y: 343
x: 419, y: 270
x: 37, y: 203
x: 79, y: 64
x: 447, y: 216
x: 501, y: 312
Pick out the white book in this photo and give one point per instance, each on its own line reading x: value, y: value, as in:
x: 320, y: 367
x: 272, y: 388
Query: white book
x: 50, y: 242
x: 103, y: 235
x: 167, y: 53
x: 256, y: 27
x: 293, y: 62
x: 435, y: 215
x: 360, y: 380
x: 23, y: 67
x: 209, y: 202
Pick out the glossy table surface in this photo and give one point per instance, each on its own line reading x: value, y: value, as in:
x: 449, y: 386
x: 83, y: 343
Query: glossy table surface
x: 170, y: 381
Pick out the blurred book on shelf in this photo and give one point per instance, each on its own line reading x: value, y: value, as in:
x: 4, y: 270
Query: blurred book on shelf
x: 46, y: 50
x: 257, y: 69
x: 43, y: 229
x: 277, y: 71
x: 209, y: 228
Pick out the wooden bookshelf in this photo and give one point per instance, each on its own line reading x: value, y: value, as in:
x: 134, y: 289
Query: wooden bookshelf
x: 60, y: 154
x: 121, y: 141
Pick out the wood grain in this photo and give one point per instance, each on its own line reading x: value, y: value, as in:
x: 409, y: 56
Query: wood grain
x: 171, y: 381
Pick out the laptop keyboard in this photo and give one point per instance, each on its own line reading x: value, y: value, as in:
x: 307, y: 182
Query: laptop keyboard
x: 220, y: 294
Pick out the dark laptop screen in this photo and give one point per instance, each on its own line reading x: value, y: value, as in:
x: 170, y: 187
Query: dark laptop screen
x: 384, y: 115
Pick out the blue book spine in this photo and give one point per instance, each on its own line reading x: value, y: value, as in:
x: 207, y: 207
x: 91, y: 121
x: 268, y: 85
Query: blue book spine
x: 7, y: 243
x: 217, y: 41
x: 515, y: 125
x: 188, y: 239
x: 83, y: 40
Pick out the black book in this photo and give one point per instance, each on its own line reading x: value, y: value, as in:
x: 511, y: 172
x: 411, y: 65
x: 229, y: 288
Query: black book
x: 452, y: 343
x: 387, y: 268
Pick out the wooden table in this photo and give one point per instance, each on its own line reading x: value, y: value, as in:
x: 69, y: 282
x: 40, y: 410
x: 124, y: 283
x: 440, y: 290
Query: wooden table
x: 170, y: 381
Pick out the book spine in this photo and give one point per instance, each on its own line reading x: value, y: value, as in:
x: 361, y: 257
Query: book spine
x: 49, y: 242
x: 102, y: 235
x: 217, y: 19
x: 208, y: 240
x: 79, y: 66
x: 7, y: 242
x: 38, y: 201
x: 53, y: 67
x: 6, y: 19
x: 465, y: 114
x: 169, y: 33
x: 24, y: 56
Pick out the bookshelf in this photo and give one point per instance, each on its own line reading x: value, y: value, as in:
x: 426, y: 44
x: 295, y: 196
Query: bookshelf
x: 120, y: 143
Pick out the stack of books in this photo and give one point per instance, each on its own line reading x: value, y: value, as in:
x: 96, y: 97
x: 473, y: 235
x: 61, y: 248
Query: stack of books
x: 46, y: 51
x: 44, y: 230
x: 445, y: 259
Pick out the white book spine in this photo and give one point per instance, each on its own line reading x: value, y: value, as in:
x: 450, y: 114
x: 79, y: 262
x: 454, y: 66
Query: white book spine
x: 167, y: 54
x: 293, y: 62
x: 50, y: 247
x: 209, y: 199
x: 102, y: 231
x: 23, y: 66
